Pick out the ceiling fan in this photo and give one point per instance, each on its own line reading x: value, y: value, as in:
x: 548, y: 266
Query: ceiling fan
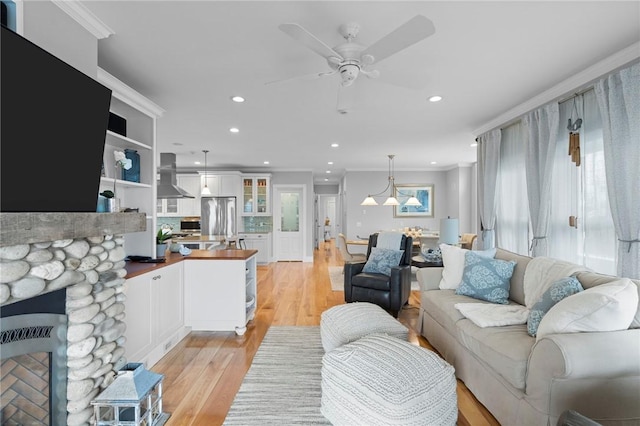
x: 351, y: 59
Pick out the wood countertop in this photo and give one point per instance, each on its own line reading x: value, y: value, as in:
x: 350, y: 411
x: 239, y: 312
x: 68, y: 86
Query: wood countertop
x: 138, y: 268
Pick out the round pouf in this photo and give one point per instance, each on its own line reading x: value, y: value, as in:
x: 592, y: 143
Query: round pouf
x: 381, y: 380
x: 347, y: 323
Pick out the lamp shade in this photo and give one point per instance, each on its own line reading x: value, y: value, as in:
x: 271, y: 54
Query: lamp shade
x: 369, y: 201
x: 413, y: 201
x: 449, y: 231
x: 391, y: 201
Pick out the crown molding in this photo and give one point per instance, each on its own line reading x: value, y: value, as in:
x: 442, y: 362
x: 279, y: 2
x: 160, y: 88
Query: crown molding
x: 128, y: 94
x: 573, y: 84
x: 84, y: 17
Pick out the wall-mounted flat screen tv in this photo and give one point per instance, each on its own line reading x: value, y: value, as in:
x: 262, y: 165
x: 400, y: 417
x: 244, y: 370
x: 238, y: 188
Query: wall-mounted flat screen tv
x: 53, y: 126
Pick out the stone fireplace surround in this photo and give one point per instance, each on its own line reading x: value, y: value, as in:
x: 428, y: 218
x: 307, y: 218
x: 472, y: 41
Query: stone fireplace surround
x: 84, y: 253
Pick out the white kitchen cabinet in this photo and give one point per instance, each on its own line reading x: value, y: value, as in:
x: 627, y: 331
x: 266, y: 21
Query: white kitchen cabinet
x: 260, y: 242
x: 167, y: 206
x: 191, y: 184
x: 256, y: 195
x: 223, y: 184
x: 220, y: 295
x: 139, y: 318
x: 155, y: 314
x: 141, y: 115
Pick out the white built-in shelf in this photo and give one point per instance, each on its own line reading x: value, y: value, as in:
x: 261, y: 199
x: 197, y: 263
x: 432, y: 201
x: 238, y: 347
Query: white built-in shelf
x: 124, y: 142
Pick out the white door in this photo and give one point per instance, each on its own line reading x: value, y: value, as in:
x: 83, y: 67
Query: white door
x: 288, y: 223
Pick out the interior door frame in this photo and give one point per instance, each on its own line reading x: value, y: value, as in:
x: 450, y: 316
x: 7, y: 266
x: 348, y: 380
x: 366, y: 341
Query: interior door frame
x: 277, y: 217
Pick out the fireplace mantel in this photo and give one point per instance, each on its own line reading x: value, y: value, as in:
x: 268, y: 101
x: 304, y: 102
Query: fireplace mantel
x: 35, y: 227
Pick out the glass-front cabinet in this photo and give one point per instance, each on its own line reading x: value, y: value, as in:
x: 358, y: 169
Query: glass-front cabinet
x: 256, y: 193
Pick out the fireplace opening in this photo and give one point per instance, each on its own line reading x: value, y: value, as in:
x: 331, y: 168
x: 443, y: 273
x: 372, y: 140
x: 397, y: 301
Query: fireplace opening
x: 33, y: 366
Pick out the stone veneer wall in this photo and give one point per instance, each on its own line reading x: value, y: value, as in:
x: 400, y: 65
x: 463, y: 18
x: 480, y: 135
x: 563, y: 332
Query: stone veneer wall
x: 92, y: 270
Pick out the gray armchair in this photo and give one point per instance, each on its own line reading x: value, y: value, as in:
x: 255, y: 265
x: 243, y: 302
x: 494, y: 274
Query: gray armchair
x: 391, y: 292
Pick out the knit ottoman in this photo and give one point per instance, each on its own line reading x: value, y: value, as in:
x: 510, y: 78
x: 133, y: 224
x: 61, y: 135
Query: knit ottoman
x: 381, y: 380
x: 346, y: 323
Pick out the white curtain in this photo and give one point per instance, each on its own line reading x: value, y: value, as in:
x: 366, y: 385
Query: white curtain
x: 512, y: 222
x: 488, y: 166
x: 542, y: 129
x: 581, y: 192
x: 619, y: 101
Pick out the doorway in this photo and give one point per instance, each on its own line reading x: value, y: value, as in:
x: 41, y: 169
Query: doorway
x: 327, y: 217
x: 289, y: 222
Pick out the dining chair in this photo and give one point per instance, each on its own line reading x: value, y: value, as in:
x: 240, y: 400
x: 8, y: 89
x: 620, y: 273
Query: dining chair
x: 344, y: 251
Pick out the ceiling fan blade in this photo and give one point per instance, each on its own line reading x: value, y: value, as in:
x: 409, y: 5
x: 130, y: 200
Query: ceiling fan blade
x: 416, y: 29
x: 312, y: 42
x: 303, y: 77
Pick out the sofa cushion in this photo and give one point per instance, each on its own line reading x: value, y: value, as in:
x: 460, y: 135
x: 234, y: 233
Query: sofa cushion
x: 516, y: 288
x: 486, y: 279
x: 440, y: 305
x: 381, y: 260
x: 591, y: 279
x: 607, y: 307
x: 505, y: 349
x: 560, y: 289
x: 453, y: 260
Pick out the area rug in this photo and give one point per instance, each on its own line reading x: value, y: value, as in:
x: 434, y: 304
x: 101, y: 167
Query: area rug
x: 337, y: 279
x: 283, y: 384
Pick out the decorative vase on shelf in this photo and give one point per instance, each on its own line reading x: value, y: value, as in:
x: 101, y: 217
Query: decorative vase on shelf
x: 161, y: 249
x: 132, y: 174
x: 113, y: 205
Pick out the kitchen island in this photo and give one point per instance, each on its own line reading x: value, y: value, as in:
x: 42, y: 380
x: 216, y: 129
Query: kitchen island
x: 213, y: 290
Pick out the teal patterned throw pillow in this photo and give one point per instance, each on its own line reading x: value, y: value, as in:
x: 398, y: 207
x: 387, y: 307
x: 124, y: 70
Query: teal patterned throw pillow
x: 486, y: 279
x: 560, y: 289
x: 381, y: 260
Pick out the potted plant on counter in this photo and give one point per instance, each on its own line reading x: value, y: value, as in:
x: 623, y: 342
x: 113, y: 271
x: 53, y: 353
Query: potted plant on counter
x: 163, y: 238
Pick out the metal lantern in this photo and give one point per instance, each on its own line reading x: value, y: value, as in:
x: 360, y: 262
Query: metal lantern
x: 134, y: 398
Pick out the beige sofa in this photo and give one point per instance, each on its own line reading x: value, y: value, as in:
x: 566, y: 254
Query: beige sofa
x: 522, y: 381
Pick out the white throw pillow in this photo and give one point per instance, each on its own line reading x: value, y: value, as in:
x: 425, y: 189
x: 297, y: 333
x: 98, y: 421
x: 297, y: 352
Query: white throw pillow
x: 605, y: 307
x: 453, y: 262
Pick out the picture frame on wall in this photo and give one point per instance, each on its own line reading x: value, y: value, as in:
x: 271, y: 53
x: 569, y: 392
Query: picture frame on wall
x: 424, y: 194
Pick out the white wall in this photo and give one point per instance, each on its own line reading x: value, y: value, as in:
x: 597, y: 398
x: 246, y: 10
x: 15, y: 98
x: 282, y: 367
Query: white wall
x: 364, y: 220
x: 47, y: 26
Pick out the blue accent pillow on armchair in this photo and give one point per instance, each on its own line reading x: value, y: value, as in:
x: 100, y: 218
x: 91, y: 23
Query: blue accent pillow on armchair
x: 486, y: 279
x: 381, y: 260
x: 557, y: 291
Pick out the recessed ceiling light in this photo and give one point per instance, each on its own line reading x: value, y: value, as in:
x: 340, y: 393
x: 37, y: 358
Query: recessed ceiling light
x: 328, y: 171
x: 265, y: 162
x: 326, y: 180
x: 435, y: 98
x: 330, y: 163
x: 196, y: 162
x: 234, y: 130
x: 474, y: 144
x: 434, y: 162
x: 237, y: 99
x: 334, y: 145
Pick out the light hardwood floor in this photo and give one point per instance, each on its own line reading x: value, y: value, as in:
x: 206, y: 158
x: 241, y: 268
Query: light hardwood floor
x: 205, y: 370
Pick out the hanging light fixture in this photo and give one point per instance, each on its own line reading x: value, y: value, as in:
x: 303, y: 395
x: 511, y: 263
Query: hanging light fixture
x: 391, y: 186
x: 205, y: 190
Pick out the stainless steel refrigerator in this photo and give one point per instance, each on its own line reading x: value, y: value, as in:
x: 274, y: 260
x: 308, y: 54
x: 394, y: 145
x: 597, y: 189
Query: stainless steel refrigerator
x: 218, y: 216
